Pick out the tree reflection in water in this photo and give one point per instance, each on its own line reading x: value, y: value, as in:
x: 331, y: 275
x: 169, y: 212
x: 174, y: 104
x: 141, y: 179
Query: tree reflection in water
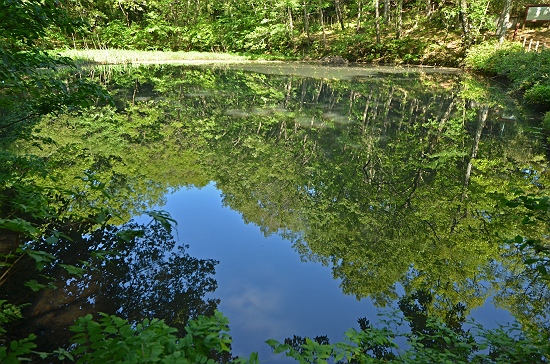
x: 144, y: 274
x: 391, y: 180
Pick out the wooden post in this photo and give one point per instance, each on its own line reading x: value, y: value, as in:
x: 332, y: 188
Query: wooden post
x: 537, y: 46
x: 515, y: 32
x: 530, y: 44
x: 524, y: 40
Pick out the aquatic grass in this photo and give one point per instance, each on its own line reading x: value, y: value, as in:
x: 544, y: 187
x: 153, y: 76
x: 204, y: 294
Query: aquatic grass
x: 120, y: 56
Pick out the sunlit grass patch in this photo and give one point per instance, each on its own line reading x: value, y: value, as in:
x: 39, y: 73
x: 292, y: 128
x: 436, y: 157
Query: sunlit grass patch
x: 119, y: 56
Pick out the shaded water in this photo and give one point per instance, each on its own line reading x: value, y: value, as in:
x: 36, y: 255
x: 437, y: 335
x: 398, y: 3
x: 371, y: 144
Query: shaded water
x: 306, y: 195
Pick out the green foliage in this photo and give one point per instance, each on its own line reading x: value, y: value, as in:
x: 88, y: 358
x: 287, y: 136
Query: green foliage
x: 267, y: 38
x: 535, y: 214
x: 17, y: 350
x: 546, y: 121
x: 116, y: 35
x: 358, y: 48
x: 502, y: 345
x: 8, y: 313
x: 163, y: 218
x: 14, y: 351
x: 24, y: 21
x: 487, y: 56
x: 270, y: 27
x: 30, y: 85
x: 400, y: 166
x: 508, y: 345
x: 113, y: 339
x: 527, y: 71
x: 538, y: 94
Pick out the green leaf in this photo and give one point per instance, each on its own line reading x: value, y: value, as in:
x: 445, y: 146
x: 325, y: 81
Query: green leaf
x: 42, y: 258
x: 71, y: 269
x: 52, y: 240
x: 128, y: 235
x: 34, y: 285
x: 163, y: 218
x: 272, y: 342
x: 126, y: 331
x: 542, y: 270
x: 19, y: 225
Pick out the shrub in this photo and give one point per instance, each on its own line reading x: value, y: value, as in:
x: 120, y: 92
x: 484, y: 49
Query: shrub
x: 269, y: 37
x: 112, y: 339
x: 539, y: 95
x: 115, y: 35
x: 527, y: 71
x: 487, y: 56
x: 546, y: 121
x: 372, y: 345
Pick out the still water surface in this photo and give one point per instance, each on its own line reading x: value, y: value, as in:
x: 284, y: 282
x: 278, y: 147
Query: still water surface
x: 306, y: 197
x: 265, y: 289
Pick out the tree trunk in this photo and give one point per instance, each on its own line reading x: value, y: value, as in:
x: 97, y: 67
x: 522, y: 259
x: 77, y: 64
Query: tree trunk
x: 339, y: 13
x: 306, y: 19
x: 504, y: 20
x: 399, y: 26
x: 377, y: 20
x: 386, y: 11
x: 359, y: 11
x: 290, y: 25
x: 322, y: 20
x: 482, y: 118
x: 290, y: 21
x: 464, y: 19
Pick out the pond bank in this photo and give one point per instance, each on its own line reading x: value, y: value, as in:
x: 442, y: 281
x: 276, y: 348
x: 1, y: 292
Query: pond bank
x: 525, y: 73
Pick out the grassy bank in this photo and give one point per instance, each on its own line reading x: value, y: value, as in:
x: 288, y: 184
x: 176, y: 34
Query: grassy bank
x: 119, y: 56
x: 526, y: 73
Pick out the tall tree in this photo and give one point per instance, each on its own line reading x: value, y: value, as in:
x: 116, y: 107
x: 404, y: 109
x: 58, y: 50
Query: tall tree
x: 465, y: 21
x: 399, y: 20
x: 339, y: 13
x: 377, y: 19
x: 306, y: 18
x: 322, y: 22
x: 359, y: 14
x: 428, y: 8
x: 504, y: 20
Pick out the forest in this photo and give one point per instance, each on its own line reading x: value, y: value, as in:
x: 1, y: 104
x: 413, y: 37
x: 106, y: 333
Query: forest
x: 436, y: 32
x: 79, y: 146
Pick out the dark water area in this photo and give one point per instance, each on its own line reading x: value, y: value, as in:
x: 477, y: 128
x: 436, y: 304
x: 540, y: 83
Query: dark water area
x: 305, y: 197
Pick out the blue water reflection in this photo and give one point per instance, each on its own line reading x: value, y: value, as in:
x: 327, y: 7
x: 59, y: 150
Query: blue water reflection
x: 264, y: 287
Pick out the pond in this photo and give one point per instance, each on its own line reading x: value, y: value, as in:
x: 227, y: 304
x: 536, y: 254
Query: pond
x: 306, y: 197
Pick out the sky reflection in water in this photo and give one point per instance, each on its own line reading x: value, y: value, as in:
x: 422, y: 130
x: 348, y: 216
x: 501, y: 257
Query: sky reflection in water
x: 266, y: 291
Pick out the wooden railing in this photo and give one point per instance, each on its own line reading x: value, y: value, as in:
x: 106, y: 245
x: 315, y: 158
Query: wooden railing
x: 530, y: 44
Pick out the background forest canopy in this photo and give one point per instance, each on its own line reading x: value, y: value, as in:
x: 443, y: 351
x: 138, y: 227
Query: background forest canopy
x: 409, y: 30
